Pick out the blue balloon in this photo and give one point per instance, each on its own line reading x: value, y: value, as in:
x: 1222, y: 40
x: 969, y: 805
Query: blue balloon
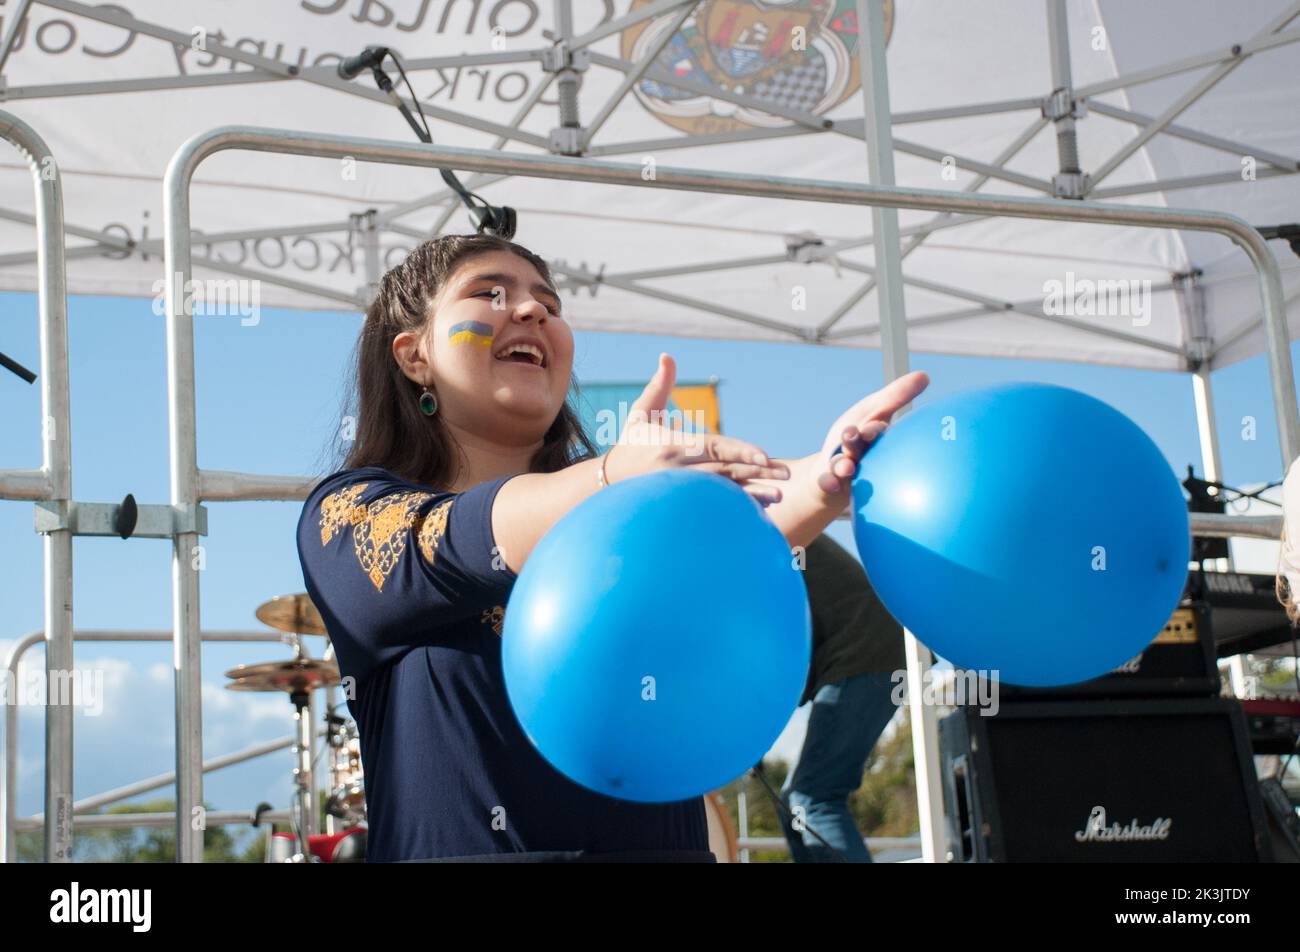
x: 1025, y: 528
x: 658, y: 638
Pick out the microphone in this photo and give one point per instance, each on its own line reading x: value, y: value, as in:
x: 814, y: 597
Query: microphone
x: 354, y: 66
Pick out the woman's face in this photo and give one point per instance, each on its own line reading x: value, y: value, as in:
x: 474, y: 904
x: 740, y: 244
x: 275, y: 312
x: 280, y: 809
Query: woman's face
x: 493, y: 309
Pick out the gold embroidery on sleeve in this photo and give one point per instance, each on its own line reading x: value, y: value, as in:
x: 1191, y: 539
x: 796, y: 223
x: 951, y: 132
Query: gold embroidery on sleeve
x: 496, y: 616
x: 431, y: 532
x: 379, y: 528
x: 340, y: 509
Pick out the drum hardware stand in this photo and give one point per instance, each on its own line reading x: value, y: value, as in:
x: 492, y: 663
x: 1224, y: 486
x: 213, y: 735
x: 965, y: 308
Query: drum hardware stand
x: 302, y: 777
x: 297, y: 677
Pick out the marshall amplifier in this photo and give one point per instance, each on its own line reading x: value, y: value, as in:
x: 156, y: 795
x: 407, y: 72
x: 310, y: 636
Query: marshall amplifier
x: 1168, y: 780
x: 1221, y: 614
x: 1179, y: 662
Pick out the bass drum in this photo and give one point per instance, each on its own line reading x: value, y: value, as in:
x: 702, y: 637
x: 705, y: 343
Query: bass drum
x: 722, y: 832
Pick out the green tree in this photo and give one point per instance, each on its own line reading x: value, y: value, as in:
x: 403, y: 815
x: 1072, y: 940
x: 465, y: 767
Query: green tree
x: 1277, y: 676
x: 144, y: 844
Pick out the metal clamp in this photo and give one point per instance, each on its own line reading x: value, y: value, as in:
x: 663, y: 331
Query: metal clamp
x: 560, y: 57
x: 1061, y: 104
x: 1071, y: 184
x: 125, y: 519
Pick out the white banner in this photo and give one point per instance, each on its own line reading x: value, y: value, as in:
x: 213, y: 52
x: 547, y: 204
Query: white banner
x: 116, y: 88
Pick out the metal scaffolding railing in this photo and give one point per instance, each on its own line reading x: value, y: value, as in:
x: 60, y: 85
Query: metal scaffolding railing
x: 51, y: 485
x: 11, y: 824
x: 189, y: 485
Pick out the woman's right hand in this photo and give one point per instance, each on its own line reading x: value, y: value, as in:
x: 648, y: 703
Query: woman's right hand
x: 646, y: 445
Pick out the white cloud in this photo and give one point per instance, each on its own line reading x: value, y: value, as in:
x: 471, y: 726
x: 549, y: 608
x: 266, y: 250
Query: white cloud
x: 134, y: 737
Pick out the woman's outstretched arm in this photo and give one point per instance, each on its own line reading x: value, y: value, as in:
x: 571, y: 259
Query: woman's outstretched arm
x: 529, y: 504
x: 818, y: 489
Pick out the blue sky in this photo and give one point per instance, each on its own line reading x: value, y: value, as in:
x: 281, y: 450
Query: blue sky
x: 268, y: 399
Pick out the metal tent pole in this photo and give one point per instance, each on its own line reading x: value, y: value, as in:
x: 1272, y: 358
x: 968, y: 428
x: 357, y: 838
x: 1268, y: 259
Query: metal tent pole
x: 364, y: 224
x: 1069, y: 182
x: 1206, y: 429
x: 15, y: 23
x: 1210, y: 462
x: 183, y: 460
x: 1190, y: 295
x: 52, y: 486
x: 1203, y: 394
x: 894, y: 356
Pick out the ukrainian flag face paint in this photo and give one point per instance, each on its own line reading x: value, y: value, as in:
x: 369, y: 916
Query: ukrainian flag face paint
x: 471, y: 332
x: 490, y: 298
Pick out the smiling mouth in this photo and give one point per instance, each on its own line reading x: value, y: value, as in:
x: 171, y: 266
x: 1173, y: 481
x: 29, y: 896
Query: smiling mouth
x: 523, y: 353
x: 521, y: 361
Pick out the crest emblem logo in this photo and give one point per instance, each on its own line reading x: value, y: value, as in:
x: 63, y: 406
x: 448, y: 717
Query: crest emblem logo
x: 797, y: 54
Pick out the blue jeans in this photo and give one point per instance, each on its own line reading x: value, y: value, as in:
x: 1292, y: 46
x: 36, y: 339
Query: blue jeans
x: 846, y: 720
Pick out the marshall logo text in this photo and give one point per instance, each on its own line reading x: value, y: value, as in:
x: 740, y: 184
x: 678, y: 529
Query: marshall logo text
x: 1096, y: 830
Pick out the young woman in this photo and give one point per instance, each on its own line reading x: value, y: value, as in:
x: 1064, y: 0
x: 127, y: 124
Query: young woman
x: 465, y: 453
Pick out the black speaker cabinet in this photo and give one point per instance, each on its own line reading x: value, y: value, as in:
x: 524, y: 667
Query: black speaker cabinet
x: 1178, y: 662
x: 1104, y: 782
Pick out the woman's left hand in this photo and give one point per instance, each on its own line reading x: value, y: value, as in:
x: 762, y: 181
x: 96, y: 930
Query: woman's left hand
x: 855, y: 430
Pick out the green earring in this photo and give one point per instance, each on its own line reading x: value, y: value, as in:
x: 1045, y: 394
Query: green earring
x: 428, y: 403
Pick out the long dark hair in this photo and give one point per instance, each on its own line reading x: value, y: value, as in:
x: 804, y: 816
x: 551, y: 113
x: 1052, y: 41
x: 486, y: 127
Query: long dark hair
x: 391, y: 432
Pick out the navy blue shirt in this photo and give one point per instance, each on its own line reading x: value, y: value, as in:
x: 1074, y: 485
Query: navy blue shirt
x: 413, y: 592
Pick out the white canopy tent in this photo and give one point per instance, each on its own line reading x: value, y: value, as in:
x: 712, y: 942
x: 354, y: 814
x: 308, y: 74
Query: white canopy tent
x: 114, y: 97
x: 677, y: 84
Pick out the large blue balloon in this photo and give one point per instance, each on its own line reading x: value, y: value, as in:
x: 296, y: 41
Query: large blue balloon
x: 658, y: 638
x: 1024, y: 528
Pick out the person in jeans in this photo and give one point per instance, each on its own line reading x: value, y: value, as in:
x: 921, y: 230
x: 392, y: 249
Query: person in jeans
x: 857, y: 647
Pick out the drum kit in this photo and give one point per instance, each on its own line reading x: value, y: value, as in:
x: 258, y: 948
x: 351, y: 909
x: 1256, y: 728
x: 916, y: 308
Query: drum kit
x: 345, y: 807
x: 298, y: 678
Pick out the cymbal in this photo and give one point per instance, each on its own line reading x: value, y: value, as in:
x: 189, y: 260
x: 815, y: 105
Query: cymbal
x: 300, y: 674
x: 292, y: 613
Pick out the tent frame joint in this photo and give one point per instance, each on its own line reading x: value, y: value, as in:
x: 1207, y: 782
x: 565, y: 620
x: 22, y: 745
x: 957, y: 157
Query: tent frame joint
x: 1061, y: 103
x: 568, y: 65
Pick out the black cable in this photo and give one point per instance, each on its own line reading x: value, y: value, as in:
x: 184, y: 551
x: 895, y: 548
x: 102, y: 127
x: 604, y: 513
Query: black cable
x: 757, y: 771
x: 1240, y: 494
x: 487, y: 217
x: 428, y: 136
x: 1254, y: 494
x: 17, y: 368
x: 424, y: 134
